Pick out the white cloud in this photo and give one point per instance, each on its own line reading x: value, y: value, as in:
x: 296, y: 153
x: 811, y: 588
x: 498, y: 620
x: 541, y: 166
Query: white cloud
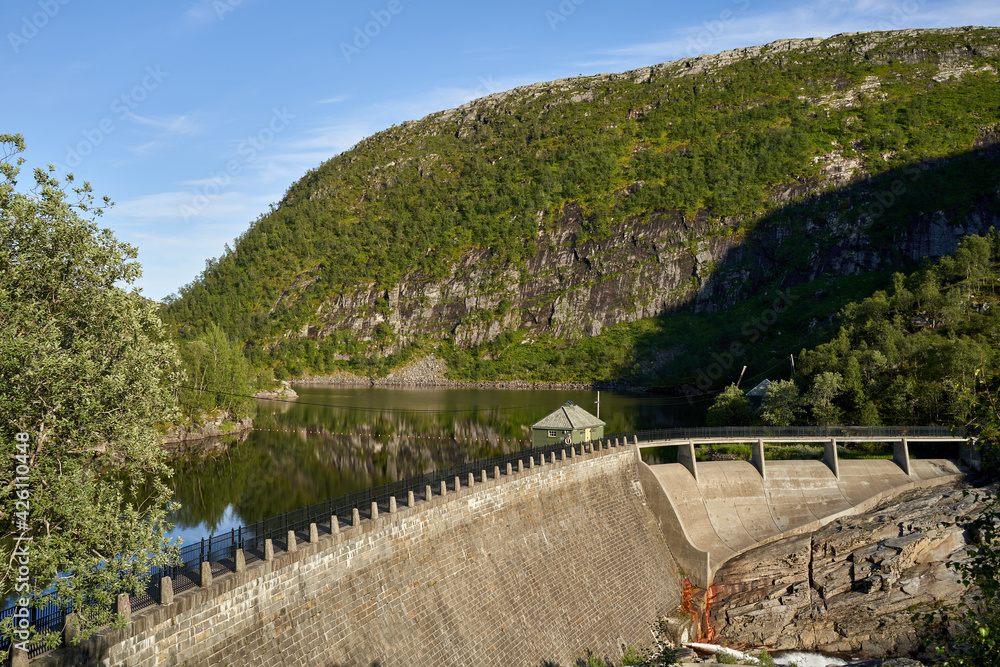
x: 183, y: 124
x: 738, y: 26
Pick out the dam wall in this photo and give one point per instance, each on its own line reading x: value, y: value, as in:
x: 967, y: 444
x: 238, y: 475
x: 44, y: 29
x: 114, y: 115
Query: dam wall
x: 731, y: 507
x: 533, y: 568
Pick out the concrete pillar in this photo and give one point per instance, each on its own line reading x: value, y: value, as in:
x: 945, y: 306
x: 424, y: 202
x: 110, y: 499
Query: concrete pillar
x: 496, y: 472
x: 374, y: 510
x: 206, y: 574
x: 758, y: 457
x: 334, y: 525
x: 531, y: 461
x: 572, y: 451
x: 355, y: 517
x: 19, y: 658
x: 166, y: 590
x: 268, y: 550
x: 482, y: 476
x: 472, y: 480
x: 241, y: 560
x: 444, y: 488
x: 563, y: 457
x: 685, y: 456
x: 291, y: 542
x: 830, y: 457
x: 458, y: 483
x: 313, y: 534
x: 616, y: 442
x: 510, y: 470
x: 392, y: 504
x: 71, y: 627
x: 901, y: 455
x: 520, y: 465
x: 553, y: 459
x: 427, y: 492
x: 635, y: 440
x: 410, y: 500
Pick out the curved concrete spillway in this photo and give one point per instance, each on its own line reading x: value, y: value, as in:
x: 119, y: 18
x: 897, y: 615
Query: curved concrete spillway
x: 731, y: 507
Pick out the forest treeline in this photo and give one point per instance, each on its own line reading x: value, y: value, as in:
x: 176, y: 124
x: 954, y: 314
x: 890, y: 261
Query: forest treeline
x: 923, y: 351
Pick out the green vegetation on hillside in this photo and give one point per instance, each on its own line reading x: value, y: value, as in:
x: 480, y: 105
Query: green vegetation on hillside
x: 409, y: 201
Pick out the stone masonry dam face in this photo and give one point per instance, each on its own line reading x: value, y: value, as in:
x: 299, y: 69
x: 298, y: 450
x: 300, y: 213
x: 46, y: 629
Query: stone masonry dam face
x: 535, y: 568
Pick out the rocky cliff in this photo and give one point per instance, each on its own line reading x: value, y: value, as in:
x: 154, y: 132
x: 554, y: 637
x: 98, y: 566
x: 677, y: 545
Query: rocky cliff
x: 853, y: 586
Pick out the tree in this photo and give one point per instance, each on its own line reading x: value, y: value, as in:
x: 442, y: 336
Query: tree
x: 820, y: 398
x: 781, y: 403
x: 731, y: 408
x: 86, y: 374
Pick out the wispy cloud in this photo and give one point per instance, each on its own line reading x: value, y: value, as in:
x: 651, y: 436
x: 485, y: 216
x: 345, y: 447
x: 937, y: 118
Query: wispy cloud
x: 183, y: 124
x: 332, y: 100
x: 736, y: 26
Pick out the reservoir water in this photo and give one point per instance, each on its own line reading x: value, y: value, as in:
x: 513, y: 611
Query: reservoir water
x: 335, y: 440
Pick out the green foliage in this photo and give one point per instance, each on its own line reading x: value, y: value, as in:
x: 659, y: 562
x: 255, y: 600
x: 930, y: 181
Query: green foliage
x: 920, y: 352
x: 218, y: 376
x: 731, y: 408
x: 410, y: 201
x: 781, y: 403
x: 87, y: 373
x: 662, y: 656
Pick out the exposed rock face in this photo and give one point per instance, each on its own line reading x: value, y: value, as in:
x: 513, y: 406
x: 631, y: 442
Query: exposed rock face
x: 851, y: 586
x: 572, y: 288
x: 213, y: 426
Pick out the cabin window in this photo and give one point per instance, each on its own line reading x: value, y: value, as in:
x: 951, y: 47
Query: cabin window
x: 553, y: 434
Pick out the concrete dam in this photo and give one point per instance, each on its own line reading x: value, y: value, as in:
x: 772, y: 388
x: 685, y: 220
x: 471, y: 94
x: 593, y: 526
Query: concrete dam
x: 560, y: 556
x: 529, y: 568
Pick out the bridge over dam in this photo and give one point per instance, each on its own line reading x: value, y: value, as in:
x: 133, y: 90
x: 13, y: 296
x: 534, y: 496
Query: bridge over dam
x: 534, y: 558
x: 711, y: 511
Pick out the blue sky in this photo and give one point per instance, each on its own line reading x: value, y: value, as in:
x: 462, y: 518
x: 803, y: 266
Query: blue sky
x: 194, y: 117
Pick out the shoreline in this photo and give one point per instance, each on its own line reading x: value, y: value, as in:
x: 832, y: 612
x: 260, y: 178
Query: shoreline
x: 431, y: 371
x: 523, y: 385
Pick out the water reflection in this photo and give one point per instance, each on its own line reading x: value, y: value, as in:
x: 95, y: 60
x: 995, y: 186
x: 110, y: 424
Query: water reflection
x: 336, y: 440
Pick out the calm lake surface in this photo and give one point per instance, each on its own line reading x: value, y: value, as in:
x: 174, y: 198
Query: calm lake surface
x: 337, y: 439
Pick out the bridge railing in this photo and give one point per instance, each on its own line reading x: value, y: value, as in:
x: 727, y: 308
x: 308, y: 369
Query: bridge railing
x: 765, y: 432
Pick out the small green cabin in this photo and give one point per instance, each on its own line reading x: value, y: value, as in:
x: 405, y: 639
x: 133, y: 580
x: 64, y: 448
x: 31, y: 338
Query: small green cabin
x: 568, y: 421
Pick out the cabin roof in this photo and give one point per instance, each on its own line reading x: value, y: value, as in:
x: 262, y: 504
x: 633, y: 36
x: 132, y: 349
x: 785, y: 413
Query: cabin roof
x: 569, y: 416
x: 759, y: 390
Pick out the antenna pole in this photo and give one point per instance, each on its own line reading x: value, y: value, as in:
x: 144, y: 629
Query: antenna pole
x: 598, y: 404
x: 741, y: 376
x: 792, y: 357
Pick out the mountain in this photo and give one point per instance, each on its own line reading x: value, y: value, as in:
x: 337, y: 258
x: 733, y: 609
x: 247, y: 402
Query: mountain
x: 524, y: 224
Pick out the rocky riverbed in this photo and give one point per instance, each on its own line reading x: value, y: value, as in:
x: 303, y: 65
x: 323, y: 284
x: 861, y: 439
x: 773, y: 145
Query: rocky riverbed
x: 852, y: 586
